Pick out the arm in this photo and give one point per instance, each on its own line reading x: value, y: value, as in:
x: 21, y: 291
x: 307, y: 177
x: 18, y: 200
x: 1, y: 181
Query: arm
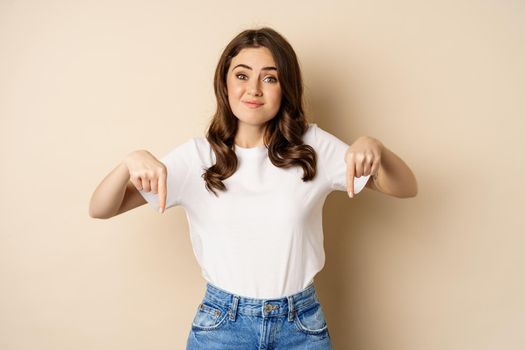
x: 114, y: 195
x: 393, y: 177
x: 389, y: 173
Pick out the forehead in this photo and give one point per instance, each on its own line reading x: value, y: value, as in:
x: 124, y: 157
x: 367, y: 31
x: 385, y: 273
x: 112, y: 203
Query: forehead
x: 254, y: 57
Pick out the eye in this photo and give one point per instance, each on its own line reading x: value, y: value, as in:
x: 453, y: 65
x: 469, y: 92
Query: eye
x: 273, y: 81
x: 238, y: 75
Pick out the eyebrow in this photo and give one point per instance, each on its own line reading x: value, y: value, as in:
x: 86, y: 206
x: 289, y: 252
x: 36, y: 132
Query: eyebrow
x: 248, y: 67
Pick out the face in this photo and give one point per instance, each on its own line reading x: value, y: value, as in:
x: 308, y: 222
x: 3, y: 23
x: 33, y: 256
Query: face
x: 253, y: 77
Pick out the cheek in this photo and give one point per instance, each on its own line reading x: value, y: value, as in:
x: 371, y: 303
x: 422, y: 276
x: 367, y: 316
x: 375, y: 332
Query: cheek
x: 233, y: 89
x: 276, y: 96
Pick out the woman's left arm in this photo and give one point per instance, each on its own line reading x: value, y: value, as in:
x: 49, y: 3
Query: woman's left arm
x: 389, y: 174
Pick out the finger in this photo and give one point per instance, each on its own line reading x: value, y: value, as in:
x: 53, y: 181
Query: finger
x: 350, y: 178
x: 154, y: 185
x: 136, y: 182
x: 366, y: 168
x: 162, y: 191
x: 145, y: 183
x: 359, y: 167
x: 368, y: 164
x: 375, y: 167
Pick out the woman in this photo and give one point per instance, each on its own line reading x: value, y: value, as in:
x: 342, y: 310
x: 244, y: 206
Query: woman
x: 253, y: 190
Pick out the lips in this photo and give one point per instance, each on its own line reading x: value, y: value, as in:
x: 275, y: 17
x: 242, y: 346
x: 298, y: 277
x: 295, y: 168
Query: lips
x: 252, y: 104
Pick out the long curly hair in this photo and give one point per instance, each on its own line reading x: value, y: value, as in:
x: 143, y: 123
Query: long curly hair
x: 282, y: 134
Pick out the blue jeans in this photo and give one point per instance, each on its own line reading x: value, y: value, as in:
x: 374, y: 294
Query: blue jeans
x: 225, y: 321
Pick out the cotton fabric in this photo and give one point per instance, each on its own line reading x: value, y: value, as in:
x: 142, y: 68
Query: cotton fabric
x: 263, y: 237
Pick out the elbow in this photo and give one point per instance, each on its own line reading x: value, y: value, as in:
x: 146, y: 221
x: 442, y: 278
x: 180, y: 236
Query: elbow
x: 92, y: 212
x: 407, y: 193
x: 413, y: 191
x: 414, y: 188
x: 411, y: 194
x: 96, y: 215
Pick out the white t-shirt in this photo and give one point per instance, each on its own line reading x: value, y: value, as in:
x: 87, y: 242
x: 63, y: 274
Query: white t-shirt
x: 263, y: 237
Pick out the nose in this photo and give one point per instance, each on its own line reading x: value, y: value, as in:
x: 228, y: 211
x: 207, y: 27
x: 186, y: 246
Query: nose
x: 254, y: 89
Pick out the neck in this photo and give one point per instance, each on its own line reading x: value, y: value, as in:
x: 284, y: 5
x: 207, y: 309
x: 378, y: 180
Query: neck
x: 249, y: 135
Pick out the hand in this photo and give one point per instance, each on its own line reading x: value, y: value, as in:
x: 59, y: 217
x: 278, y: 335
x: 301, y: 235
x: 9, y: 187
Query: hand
x: 362, y: 158
x: 148, y: 173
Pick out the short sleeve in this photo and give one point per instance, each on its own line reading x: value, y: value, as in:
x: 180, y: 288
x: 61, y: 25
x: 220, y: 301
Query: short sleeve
x: 178, y: 164
x: 331, y: 160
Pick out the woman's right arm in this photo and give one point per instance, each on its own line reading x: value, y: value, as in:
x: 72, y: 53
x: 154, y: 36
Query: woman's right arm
x: 119, y: 190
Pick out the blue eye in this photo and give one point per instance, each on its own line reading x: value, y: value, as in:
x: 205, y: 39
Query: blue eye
x: 244, y: 77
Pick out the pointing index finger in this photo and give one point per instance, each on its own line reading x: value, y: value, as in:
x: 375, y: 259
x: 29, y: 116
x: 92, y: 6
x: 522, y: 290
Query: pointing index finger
x: 162, y: 192
x: 350, y: 178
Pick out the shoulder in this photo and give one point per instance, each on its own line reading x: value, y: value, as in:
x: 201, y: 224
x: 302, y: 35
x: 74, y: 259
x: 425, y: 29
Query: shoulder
x: 322, y: 139
x: 309, y: 134
x: 185, y: 149
x: 201, y: 144
x: 203, y: 150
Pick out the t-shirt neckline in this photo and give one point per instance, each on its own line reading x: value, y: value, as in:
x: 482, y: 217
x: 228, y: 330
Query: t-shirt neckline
x: 251, y: 150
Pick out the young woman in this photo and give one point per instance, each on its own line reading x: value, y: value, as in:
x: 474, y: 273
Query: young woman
x: 253, y: 190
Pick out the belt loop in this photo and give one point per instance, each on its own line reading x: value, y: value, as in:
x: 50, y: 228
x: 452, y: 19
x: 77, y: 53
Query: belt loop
x: 233, y: 307
x: 291, y: 309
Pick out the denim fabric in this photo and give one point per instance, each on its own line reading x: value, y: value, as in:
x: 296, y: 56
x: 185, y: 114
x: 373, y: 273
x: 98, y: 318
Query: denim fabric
x: 225, y: 321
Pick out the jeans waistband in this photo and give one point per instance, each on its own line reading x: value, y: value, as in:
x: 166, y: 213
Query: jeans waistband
x: 288, y: 305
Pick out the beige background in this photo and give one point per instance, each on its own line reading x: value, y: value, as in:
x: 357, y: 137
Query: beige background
x: 441, y: 83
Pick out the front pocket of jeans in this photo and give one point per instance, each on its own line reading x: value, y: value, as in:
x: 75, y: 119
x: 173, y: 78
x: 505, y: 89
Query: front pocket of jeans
x: 208, y: 317
x: 311, y: 320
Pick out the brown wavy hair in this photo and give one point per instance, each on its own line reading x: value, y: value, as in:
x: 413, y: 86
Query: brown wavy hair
x: 283, y: 133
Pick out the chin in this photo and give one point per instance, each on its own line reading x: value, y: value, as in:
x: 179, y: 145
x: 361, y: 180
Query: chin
x: 253, y: 117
